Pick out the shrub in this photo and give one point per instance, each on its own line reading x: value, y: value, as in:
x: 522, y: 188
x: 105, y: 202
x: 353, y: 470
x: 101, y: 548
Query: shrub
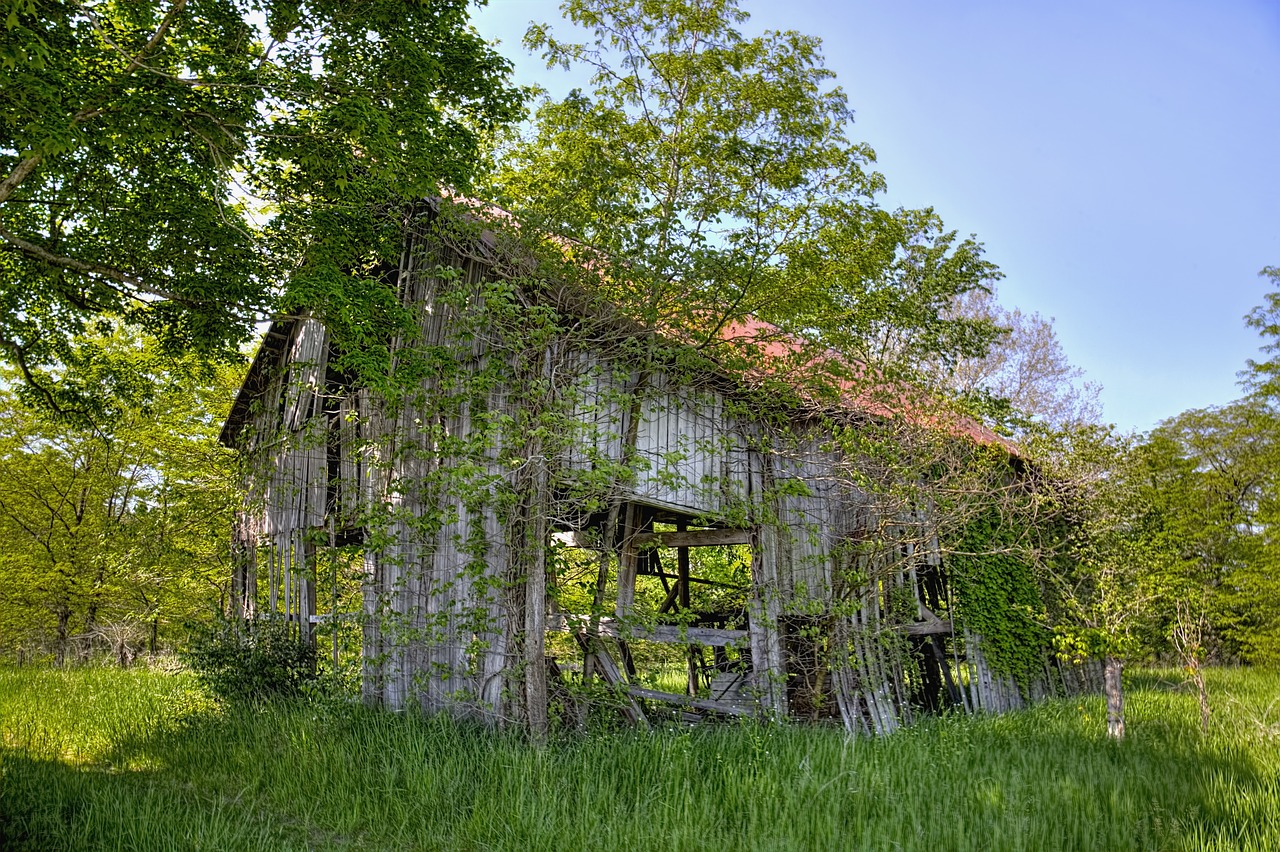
x: 255, y: 660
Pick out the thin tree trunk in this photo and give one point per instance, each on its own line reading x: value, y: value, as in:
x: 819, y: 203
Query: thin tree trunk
x: 64, y: 619
x: 1115, y: 697
x: 1188, y: 638
x: 1202, y: 689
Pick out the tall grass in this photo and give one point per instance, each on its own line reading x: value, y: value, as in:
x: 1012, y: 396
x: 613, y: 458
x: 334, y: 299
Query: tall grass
x: 140, y: 760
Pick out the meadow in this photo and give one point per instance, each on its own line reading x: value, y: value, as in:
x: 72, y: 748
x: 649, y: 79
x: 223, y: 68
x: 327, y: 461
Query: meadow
x: 105, y: 759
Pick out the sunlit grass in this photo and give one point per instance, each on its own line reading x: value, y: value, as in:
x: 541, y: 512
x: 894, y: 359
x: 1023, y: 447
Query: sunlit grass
x: 104, y: 759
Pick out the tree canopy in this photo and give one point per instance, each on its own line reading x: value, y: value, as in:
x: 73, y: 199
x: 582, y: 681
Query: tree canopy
x: 144, y: 144
x: 713, y: 170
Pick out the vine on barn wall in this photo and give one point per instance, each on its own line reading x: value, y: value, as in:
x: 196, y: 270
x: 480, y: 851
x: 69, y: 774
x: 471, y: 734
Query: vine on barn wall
x: 998, y: 598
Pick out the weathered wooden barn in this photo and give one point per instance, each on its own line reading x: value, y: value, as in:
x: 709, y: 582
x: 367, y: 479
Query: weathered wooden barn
x: 541, y: 504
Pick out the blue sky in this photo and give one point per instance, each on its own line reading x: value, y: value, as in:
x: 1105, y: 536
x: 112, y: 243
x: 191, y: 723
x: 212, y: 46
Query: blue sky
x: 1120, y: 161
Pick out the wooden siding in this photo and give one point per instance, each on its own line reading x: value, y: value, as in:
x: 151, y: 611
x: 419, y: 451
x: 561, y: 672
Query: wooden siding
x: 444, y: 615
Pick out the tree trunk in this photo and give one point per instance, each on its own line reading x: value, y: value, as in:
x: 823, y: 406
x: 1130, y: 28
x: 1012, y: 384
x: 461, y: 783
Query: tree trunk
x: 64, y: 619
x: 1202, y: 690
x: 1115, y: 697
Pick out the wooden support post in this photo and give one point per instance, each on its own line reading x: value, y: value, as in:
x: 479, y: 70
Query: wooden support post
x: 333, y: 605
x: 682, y: 562
x: 535, y: 602
x: 373, y: 668
x: 307, y: 593
x: 682, y: 580
x: 628, y: 565
x: 628, y: 560
x: 244, y: 567
x: 767, y: 654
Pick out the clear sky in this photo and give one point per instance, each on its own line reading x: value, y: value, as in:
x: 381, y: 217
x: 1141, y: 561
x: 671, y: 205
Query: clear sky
x: 1120, y: 160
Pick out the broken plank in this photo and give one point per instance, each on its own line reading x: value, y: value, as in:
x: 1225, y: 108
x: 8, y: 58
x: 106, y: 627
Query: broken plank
x: 667, y: 633
x: 685, y: 701
x: 610, y: 675
x: 927, y: 628
x: 692, y: 538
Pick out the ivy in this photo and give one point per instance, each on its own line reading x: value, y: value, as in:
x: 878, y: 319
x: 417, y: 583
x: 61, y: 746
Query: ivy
x: 998, y: 598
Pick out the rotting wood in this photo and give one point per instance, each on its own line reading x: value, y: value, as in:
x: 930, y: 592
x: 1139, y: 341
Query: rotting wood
x: 627, y: 564
x: 609, y: 673
x: 725, y: 707
x: 765, y: 606
x: 682, y: 574
x: 673, y: 451
x: 666, y: 633
x: 692, y: 538
x: 306, y: 625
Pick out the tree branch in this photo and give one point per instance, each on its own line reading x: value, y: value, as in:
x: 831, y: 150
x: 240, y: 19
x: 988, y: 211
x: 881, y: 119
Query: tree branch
x: 156, y: 38
x: 18, y: 175
x: 70, y: 263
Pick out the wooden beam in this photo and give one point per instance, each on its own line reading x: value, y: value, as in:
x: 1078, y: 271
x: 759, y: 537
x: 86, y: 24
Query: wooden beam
x: 930, y: 624
x: 685, y: 701
x: 610, y: 675
x: 692, y: 538
x: 695, y: 580
x: 308, y: 595
x: 682, y: 568
x: 628, y: 562
x: 711, y: 636
x: 927, y: 628
x: 666, y: 633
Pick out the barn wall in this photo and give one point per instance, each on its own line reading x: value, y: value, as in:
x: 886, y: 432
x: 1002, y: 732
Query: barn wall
x: 444, y: 610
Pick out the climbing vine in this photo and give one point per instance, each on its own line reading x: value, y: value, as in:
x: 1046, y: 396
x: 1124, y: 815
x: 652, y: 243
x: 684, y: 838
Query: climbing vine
x: 998, y: 598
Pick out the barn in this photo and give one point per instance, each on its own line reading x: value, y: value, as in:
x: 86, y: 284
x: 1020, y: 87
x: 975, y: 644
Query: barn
x: 555, y: 504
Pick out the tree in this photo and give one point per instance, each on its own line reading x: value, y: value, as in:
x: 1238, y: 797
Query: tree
x: 137, y: 135
x: 712, y: 173
x: 879, y: 287
x: 1262, y: 378
x: 705, y: 183
x: 117, y: 530
x: 1102, y: 582
x: 1168, y: 544
x: 1212, y: 472
x: 1024, y: 374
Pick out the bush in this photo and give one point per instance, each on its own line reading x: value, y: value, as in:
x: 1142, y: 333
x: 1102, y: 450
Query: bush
x: 246, y: 661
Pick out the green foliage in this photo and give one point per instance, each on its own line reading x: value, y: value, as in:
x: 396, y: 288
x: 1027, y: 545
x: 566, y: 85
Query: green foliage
x: 998, y: 597
x: 713, y: 171
x: 1262, y: 378
x: 122, y: 524
x: 1210, y: 480
x: 1104, y: 579
x: 144, y: 142
x: 252, y: 660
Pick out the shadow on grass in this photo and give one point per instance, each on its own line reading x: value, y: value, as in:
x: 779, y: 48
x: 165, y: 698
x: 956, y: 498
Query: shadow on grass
x: 48, y: 805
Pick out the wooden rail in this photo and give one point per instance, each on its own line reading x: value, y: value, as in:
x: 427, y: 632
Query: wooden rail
x: 669, y: 633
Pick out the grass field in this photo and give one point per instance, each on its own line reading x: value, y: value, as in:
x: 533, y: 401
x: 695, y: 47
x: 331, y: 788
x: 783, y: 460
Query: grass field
x: 103, y: 759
